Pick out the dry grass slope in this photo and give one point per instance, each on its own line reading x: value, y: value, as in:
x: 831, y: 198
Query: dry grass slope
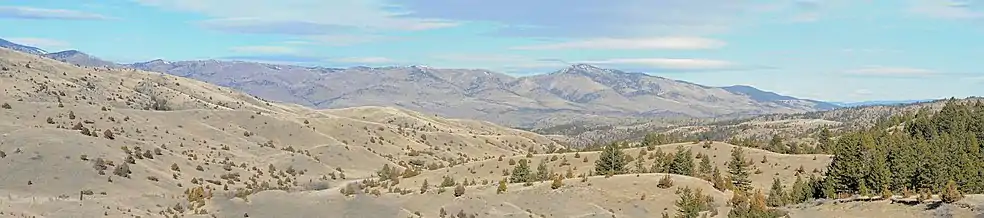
x: 174, y: 134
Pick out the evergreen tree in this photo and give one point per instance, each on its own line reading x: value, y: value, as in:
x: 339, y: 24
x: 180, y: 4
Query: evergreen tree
x: 690, y: 203
x: 798, y: 193
x: 611, y: 161
x: 705, y: 168
x: 683, y: 162
x: 952, y: 192
x: 718, y: 181
x: 739, y: 168
x: 521, y: 173
x: 824, y: 140
x: 777, y: 197
x: 542, y: 172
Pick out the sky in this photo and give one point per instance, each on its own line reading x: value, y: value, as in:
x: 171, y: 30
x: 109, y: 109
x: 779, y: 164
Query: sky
x: 833, y: 50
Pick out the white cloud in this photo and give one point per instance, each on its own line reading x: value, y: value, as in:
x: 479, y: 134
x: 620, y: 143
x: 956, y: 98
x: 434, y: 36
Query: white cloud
x: 261, y: 49
x: 862, y: 92
x: 303, y: 17
x: 43, y: 43
x: 47, y: 14
x: 363, y: 60
x: 680, y: 43
x: 669, y: 63
x: 892, y: 71
x: 947, y: 9
x: 345, y: 39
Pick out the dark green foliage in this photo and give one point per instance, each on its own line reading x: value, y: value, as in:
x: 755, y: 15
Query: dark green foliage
x: 705, y: 168
x: 777, y: 196
x: 929, y: 151
x: 692, y: 202
x: 952, y: 193
x: 521, y: 173
x: 738, y: 168
x: 611, y: 161
x: 542, y: 172
x: 683, y: 162
x: 754, y: 206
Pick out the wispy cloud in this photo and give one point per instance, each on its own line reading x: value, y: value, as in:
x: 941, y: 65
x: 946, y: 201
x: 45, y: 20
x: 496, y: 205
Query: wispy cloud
x: 41, y: 42
x: 892, y: 71
x: 592, y: 18
x: 298, y: 17
x: 263, y: 49
x: 680, y: 43
x: 363, y: 60
x: 277, y: 59
x: 668, y: 63
x: 16, y: 12
x: 948, y: 9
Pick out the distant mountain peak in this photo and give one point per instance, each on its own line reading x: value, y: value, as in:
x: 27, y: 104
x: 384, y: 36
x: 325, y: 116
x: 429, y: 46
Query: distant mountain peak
x: 69, y: 52
x: 21, y: 48
x: 584, y: 69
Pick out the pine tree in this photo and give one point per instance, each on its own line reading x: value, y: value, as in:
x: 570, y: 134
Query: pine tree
x: 689, y: 204
x: 611, y: 161
x: 521, y: 173
x: 824, y: 140
x: 683, y: 163
x: 952, y: 192
x: 705, y: 168
x: 863, y: 189
x: 542, y: 172
x: 777, y: 197
x: 718, y: 181
x: 798, y: 193
x: 738, y: 168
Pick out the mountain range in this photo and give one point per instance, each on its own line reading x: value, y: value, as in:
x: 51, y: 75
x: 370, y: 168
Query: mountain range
x: 578, y: 93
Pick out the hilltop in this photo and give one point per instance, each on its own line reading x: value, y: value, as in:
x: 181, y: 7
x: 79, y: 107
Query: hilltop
x: 132, y: 142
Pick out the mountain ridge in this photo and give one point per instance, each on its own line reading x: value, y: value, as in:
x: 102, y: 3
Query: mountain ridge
x: 577, y: 92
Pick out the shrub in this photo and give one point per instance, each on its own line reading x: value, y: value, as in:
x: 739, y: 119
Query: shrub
x: 952, y: 193
x: 502, y: 187
x: 5, y: 106
x: 557, y: 182
x: 123, y: 170
x: 665, y: 182
x: 459, y: 190
x: 109, y: 135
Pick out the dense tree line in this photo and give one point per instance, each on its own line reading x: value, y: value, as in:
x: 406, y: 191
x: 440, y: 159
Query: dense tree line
x: 921, y: 151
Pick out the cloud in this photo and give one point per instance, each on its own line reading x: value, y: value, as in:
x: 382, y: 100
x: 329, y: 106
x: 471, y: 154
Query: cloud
x: 593, y: 18
x: 260, y: 26
x: 345, y: 39
x: 264, y: 49
x: 41, y: 43
x: 298, y: 17
x: 514, y: 64
x: 862, y: 92
x: 277, y: 59
x: 892, y: 71
x: 363, y: 60
x: 681, y: 43
x: 47, y: 14
x: 949, y: 9
x: 670, y: 64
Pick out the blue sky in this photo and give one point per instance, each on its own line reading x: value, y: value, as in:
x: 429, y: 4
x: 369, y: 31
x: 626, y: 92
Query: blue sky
x: 836, y: 50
